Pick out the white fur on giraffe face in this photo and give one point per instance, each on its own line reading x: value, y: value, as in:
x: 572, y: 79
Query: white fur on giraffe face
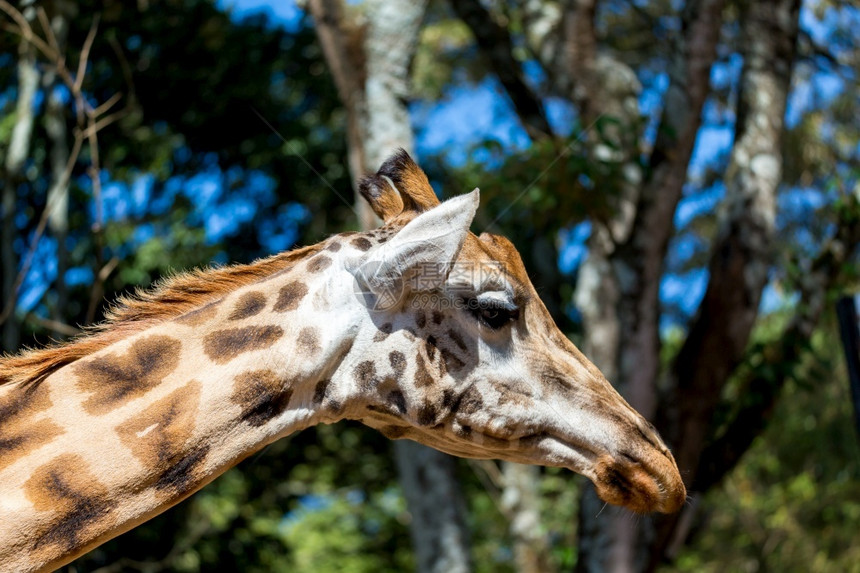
x: 512, y: 370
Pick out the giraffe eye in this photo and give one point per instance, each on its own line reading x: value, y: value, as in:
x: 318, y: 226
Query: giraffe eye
x: 493, y: 314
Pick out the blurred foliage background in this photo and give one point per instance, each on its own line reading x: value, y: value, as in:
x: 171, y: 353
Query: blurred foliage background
x: 229, y: 142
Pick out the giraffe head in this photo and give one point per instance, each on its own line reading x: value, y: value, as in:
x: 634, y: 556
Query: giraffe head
x: 468, y: 360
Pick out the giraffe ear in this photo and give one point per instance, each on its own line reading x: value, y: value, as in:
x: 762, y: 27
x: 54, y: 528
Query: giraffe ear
x: 399, y: 185
x: 421, y: 254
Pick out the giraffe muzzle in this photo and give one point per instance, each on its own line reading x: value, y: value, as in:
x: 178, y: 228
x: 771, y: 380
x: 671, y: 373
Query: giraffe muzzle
x: 643, y: 485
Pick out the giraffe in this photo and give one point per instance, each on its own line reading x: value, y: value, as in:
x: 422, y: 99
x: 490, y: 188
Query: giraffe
x: 419, y: 329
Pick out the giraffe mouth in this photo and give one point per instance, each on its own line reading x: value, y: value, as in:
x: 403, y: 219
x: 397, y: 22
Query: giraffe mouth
x: 642, y: 487
x: 644, y: 484
x: 528, y: 445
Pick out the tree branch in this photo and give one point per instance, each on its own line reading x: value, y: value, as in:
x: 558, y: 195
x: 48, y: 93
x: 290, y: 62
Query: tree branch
x: 89, y: 124
x: 56, y: 130
x: 741, y: 254
x: 605, y: 91
x: 392, y: 33
x: 762, y: 391
x: 55, y: 325
x: 580, y: 56
x: 689, y: 85
x: 343, y: 49
x: 783, y: 354
x: 495, y: 43
x: 740, y: 257
x: 653, y: 226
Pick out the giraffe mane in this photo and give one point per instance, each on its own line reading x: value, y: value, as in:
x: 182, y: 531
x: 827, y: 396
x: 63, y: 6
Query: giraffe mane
x: 170, y: 298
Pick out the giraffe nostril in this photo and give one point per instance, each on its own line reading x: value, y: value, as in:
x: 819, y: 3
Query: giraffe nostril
x: 628, y: 458
x: 648, y: 432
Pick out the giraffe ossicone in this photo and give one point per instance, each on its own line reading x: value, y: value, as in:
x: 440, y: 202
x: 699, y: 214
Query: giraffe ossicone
x: 419, y: 329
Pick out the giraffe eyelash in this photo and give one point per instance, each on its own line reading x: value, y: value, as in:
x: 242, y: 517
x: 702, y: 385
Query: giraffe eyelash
x: 493, y: 314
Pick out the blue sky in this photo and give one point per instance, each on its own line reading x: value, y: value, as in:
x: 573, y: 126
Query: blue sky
x: 281, y: 12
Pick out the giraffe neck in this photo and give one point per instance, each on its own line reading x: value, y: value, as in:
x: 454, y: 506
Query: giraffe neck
x: 119, y: 436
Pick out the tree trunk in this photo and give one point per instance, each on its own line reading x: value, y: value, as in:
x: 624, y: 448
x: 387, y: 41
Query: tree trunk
x: 374, y: 94
x: 439, y: 533
x: 742, y: 248
x: 342, y: 41
x: 630, y: 259
x: 16, y: 156
x: 496, y: 44
x: 58, y: 193
x: 521, y: 502
x: 605, y: 88
x: 741, y: 253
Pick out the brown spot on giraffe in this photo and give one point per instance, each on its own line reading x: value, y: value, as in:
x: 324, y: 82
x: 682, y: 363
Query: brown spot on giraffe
x: 388, y: 383
x: 322, y: 397
x: 161, y: 438
x: 249, y: 304
x: 320, y: 391
x: 383, y: 332
x: 365, y: 374
x: 361, y: 243
x: 448, y: 399
x: 427, y: 414
x: 334, y: 246
x: 422, y: 375
x: 290, y: 296
x: 262, y: 395
x: 308, y: 341
x: 398, y: 363
x: 451, y: 360
x: 396, y: 400
x: 77, y: 505
x: 334, y: 405
x: 438, y: 317
x: 515, y: 393
x: 469, y: 402
x: 463, y: 431
x: 115, y: 379
x: 222, y: 346
x: 183, y: 477
x: 420, y: 319
x: 430, y: 347
x: 20, y: 433
x: 319, y: 263
x: 457, y: 338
